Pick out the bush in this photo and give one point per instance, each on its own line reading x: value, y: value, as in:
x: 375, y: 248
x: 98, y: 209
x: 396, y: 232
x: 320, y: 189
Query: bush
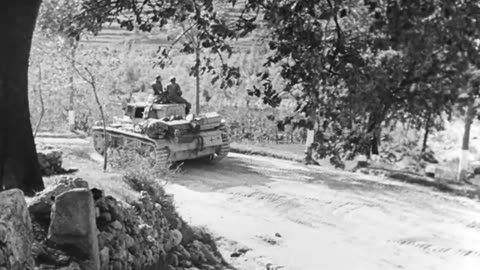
x: 140, y: 171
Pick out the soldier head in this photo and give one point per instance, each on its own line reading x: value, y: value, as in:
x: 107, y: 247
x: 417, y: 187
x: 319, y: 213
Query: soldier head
x: 158, y: 78
x: 173, y: 79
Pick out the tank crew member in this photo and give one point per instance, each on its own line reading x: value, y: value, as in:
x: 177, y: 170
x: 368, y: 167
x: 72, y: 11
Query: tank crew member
x: 174, y: 94
x: 157, y: 86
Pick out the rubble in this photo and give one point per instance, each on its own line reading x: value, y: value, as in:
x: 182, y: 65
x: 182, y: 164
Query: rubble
x: 40, y: 205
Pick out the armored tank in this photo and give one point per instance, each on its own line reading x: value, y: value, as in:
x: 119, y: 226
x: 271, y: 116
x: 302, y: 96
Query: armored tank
x: 164, y: 132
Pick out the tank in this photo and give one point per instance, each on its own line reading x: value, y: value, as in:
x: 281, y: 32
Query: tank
x: 164, y: 132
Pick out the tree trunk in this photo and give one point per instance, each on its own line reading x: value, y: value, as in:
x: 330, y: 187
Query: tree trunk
x: 425, y: 136
x: 197, y: 77
x: 71, y: 111
x: 463, y: 162
x: 308, y: 159
x: 375, y: 128
x: 18, y: 157
x: 376, y: 141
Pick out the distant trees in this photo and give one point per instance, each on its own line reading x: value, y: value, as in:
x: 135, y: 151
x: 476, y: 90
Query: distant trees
x: 470, y: 99
x: 362, y: 64
x: 212, y: 31
x: 57, y: 20
x: 352, y: 66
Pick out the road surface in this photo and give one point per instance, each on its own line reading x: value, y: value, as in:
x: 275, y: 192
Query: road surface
x: 311, y: 218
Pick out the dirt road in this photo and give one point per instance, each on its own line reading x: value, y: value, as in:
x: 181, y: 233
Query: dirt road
x: 311, y: 218
x: 306, y: 218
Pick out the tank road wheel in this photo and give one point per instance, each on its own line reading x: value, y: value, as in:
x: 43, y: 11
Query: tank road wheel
x: 99, y: 143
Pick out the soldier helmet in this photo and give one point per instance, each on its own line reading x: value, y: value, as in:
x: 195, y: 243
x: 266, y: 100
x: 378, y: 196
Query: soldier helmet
x: 158, y: 77
x: 172, y: 78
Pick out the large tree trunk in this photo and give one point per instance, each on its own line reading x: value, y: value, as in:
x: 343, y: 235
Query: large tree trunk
x: 18, y: 158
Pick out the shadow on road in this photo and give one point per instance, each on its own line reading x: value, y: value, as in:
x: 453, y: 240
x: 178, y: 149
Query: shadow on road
x: 202, y: 175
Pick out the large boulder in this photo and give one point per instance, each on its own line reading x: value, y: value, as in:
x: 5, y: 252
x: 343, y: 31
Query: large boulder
x: 16, y: 235
x: 41, y: 204
x: 73, y: 227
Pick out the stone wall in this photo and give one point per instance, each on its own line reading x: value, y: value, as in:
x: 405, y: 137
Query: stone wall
x: 144, y: 234
x: 15, y: 232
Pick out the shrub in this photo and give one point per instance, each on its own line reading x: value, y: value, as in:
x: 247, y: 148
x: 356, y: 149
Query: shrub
x: 140, y: 171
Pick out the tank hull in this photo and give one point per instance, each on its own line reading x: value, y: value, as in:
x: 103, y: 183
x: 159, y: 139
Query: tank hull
x: 212, y: 145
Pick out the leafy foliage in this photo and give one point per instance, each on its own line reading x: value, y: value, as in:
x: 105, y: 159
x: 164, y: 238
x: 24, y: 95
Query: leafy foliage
x: 212, y: 30
x: 353, y: 67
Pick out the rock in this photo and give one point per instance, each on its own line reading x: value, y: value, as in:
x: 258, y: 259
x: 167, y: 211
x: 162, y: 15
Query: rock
x: 129, y: 241
x: 50, y: 161
x: 97, y: 193
x: 185, y: 263
x: 104, y: 238
x: 130, y: 258
x: 430, y: 170
x: 114, y: 209
x: 207, y: 267
x: 189, y: 234
x: 117, y: 265
x: 184, y: 254
x: 203, y: 249
x: 173, y: 260
x: 196, y: 256
x: 116, y: 225
x: 104, y: 258
x: 15, y: 230
x: 105, y: 217
x: 3, y: 259
x: 41, y: 204
x: 72, y: 266
x: 176, y: 236
x: 37, y: 249
x: 73, y: 226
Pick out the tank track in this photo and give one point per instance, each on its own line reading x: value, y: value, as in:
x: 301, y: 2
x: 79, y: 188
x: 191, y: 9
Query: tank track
x: 224, y: 149
x: 159, y: 157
